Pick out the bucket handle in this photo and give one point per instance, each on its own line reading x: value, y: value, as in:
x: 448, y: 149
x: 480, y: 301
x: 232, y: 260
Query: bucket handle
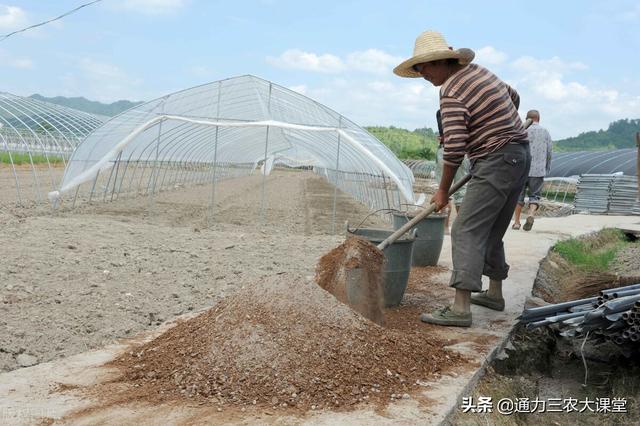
x: 405, y: 213
x: 413, y: 205
x: 371, y: 214
x: 413, y: 234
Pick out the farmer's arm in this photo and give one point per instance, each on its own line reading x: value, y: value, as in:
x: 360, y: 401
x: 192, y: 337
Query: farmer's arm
x: 441, y: 197
x: 455, y: 120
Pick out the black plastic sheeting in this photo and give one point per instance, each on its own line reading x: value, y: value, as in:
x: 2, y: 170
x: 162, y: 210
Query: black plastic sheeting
x: 565, y: 164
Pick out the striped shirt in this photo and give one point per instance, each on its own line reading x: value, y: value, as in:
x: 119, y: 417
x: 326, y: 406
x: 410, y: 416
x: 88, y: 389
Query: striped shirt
x: 479, y: 114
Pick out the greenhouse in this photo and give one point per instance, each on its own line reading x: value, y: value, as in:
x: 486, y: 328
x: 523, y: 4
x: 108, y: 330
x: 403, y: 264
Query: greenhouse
x: 36, y: 139
x: 231, y: 128
x: 567, y: 164
x: 422, y: 168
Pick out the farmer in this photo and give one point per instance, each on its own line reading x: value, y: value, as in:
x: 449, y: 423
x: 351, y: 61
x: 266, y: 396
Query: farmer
x: 480, y: 119
x: 540, y: 146
x: 462, y: 171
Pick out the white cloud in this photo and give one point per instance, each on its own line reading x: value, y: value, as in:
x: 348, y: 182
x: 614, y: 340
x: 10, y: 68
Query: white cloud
x: 398, y: 102
x: 372, y: 61
x: 306, y: 61
x: 489, y: 55
x: 569, y: 106
x: 546, y: 78
x: 152, y: 7
x: 555, y: 64
x: 569, y: 102
x: 12, y: 18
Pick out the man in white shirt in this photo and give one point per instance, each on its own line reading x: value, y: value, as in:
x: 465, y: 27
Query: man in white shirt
x: 540, y: 146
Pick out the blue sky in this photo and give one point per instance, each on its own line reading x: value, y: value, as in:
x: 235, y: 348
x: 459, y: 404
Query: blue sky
x: 575, y: 61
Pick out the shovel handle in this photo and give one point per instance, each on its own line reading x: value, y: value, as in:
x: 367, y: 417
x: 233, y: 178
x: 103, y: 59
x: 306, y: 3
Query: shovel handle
x: 417, y: 218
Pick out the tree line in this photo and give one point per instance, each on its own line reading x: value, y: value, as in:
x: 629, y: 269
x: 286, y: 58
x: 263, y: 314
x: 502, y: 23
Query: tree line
x: 422, y: 143
x: 619, y: 134
x: 407, y: 144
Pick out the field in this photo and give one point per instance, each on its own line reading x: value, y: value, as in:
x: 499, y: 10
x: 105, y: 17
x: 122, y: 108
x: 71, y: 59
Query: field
x: 75, y: 280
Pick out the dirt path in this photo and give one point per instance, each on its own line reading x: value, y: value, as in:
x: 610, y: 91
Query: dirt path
x: 77, y: 280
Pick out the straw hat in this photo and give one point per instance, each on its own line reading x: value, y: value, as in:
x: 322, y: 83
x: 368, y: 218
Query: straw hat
x: 431, y: 46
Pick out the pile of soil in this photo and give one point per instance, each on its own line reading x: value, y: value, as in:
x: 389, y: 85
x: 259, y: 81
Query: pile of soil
x: 358, y: 263
x: 283, y: 342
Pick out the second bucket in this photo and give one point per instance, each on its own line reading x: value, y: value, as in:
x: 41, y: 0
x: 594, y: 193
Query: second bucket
x: 429, y: 237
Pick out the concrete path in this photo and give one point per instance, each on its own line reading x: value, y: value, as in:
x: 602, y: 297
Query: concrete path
x: 46, y: 392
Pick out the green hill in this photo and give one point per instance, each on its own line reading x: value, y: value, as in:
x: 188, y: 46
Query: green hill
x: 406, y: 144
x: 619, y: 134
x: 86, y: 105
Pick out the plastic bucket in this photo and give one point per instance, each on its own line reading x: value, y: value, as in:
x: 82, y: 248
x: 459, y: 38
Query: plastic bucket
x: 429, y: 237
x: 397, y: 263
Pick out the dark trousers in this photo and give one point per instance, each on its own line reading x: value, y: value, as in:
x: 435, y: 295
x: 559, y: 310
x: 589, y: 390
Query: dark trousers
x: 485, y: 214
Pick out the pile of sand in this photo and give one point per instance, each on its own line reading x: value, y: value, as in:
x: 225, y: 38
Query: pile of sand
x: 284, y: 342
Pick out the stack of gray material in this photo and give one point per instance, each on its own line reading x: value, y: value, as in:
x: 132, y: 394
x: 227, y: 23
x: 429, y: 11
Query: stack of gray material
x: 592, y: 194
x: 624, y: 195
x: 607, y: 194
x: 613, y: 315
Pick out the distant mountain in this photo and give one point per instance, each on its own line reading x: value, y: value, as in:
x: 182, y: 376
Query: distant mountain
x: 620, y: 134
x: 86, y: 105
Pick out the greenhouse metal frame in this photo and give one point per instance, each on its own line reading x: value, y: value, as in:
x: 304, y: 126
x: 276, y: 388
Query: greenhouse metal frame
x: 35, y: 136
x: 230, y: 128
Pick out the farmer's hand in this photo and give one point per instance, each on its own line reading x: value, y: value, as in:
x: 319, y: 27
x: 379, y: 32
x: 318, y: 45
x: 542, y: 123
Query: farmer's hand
x: 440, y: 199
